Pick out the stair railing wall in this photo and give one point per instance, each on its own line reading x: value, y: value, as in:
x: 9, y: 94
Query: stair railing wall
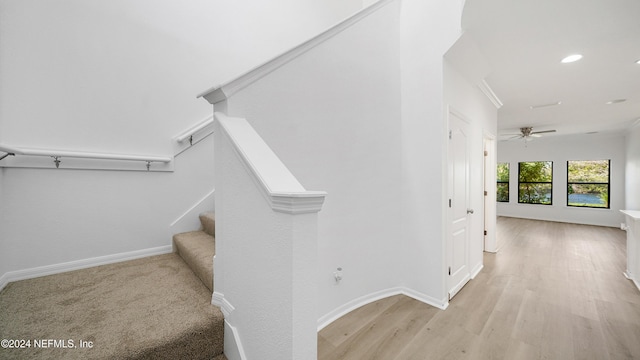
x: 193, y: 135
x: 148, y: 205
x: 76, y: 158
x: 25, y: 157
x: 266, y: 247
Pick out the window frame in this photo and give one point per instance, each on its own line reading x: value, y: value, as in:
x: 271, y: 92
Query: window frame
x: 520, y: 182
x: 591, y: 183
x: 498, y: 182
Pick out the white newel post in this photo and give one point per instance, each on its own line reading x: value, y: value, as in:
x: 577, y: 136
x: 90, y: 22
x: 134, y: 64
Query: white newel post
x: 633, y: 245
x: 266, y: 249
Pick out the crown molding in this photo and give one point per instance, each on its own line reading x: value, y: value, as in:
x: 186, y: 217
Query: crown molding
x: 488, y: 92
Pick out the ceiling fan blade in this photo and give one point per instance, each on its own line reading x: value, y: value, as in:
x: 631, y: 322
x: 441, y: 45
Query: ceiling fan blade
x: 543, y: 132
x: 536, y: 135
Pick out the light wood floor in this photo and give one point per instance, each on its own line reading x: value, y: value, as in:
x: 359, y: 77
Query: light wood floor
x: 553, y: 291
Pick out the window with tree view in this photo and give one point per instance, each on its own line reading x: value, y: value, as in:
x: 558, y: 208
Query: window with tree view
x: 535, y: 182
x: 588, y: 183
x: 503, y: 182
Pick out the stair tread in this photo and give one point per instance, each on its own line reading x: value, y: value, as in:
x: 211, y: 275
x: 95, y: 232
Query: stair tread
x: 208, y: 221
x: 148, y: 308
x: 197, y: 248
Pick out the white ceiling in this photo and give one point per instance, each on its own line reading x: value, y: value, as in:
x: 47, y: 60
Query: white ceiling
x: 523, y: 42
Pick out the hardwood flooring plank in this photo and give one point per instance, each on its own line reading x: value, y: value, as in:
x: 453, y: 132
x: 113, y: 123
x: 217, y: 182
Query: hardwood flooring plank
x: 519, y: 350
x: 349, y: 324
x: 375, y: 330
x: 396, y: 338
x: 553, y: 291
x: 588, y: 339
x: 457, y: 345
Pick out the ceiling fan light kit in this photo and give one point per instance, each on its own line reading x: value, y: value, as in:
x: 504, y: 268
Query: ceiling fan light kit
x: 527, y: 133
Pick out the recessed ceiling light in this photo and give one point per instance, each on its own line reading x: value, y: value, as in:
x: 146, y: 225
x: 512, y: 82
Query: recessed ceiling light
x: 616, y: 101
x: 571, y: 58
x: 638, y: 61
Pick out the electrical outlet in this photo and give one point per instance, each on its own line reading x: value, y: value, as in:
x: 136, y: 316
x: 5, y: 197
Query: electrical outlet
x: 338, y: 275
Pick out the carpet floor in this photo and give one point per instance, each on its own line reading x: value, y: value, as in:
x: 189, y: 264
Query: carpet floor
x: 150, y: 308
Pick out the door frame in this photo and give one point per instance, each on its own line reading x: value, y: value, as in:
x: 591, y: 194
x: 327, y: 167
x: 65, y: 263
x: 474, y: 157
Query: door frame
x: 452, y: 289
x: 489, y: 176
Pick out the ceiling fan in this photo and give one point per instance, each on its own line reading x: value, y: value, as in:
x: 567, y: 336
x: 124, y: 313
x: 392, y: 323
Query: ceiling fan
x: 527, y: 133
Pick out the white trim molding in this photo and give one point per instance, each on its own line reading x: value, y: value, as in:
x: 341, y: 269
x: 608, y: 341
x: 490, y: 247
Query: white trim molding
x: 476, y: 270
x: 297, y: 203
x: 193, y: 135
x: 632, y: 272
x: 279, y: 187
x: 222, y: 92
x: 219, y: 300
x: 488, y: 92
x: 341, y: 311
x: 82, y: 160
x: 233, y: 349
x: 188, y: 221
x: 80, y: 264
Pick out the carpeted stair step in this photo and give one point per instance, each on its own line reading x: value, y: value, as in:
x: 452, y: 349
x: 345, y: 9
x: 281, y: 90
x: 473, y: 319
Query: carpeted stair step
x: 149, y: 308
x: 208, y: 221
x: 197, y: 249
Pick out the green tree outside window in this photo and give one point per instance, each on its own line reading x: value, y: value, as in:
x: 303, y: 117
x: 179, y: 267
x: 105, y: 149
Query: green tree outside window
x: 503, y: 182
x: 588, y: 183
x: 535, y: 182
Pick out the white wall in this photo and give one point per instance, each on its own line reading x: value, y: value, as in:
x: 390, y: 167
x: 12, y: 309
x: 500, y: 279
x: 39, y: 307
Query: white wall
x: 632, y: 168
x: 332, y: 115
x: 266, y: 251
x: 560, y: 149
x: 427, y: 31
x: 466, y: 99
x: 61, y: 216
x: 78, y: 74
x: 121, y: 76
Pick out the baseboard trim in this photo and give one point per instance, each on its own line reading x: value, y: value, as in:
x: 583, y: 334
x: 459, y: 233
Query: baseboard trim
x: 80, y: 264
x: 630, y: 277
x: 233, y: 349
x: 218, y: 300
x: 477, y: 270
x: 204, y: 204
x: 339, y: 312
x: 442, y: 304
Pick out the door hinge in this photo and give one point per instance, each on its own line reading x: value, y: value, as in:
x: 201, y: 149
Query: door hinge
x: 449, y: 270
x: 485, y: 233
x: 486, y: 153
x: 450, y: 134
x: 449, y: 202
x: 486, y: 193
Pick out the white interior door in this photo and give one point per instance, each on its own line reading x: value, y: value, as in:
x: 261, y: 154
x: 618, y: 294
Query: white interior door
x: 459, y: 211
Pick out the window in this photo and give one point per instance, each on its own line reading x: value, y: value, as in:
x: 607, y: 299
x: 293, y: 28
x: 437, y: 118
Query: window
x: 503, y: 182
x: 535, y: 182
x: 588, y: 183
